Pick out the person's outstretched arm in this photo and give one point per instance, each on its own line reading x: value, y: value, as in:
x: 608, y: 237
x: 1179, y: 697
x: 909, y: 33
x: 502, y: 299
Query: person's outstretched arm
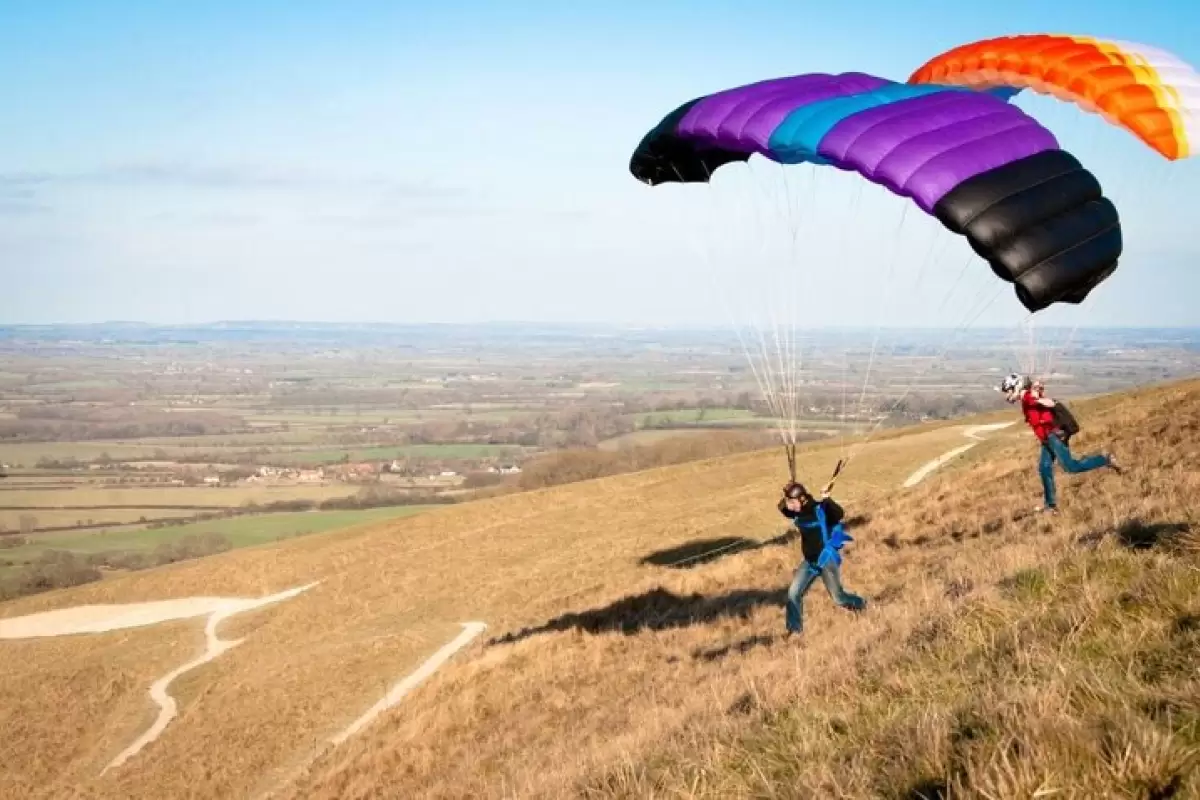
x: 833, y: 512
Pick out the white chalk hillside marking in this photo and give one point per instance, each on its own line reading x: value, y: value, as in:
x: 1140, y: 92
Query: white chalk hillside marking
x: 971, y: 432
x: 412, y: 680
x: 103, y: 618
x: 214, y: 646
x: 394, y: 695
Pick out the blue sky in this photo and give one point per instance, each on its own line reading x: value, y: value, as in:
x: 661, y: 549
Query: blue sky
x: 466, y: 161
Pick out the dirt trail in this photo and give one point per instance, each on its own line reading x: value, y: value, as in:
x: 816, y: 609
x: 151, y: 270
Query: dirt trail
x: 412, y: 680
x: 394, y: 695
x: 103, y: 618
x: 971, y: 432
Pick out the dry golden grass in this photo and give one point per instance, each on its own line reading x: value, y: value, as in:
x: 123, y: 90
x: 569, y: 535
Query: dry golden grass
x: 641, y: 438
x: 976, y: 672
x: 391, y: 594
x: 626, y: 679
x: 54, y: 690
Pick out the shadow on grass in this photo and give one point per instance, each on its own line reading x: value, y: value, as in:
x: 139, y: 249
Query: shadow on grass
x: 705, y: 551
x: 739, y: 647
x: 1138, y: 535
x: 655, y: 610
x: 928, y: 790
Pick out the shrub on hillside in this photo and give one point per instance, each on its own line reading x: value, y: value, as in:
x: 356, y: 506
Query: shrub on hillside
x: 570, y: 466
x: 379, y: 497
x: 128, y: 560
x: 55, y: 569
x: 193, y: 545
x: 60, y: 569
x: 480, y: 480
x: 297, y: 504
x: 174, y: 522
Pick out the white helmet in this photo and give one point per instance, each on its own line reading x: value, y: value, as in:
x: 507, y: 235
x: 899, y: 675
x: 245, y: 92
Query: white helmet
x: 1012, y: 382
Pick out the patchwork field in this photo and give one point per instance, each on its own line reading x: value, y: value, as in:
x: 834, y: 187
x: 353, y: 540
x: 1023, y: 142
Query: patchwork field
x: 243, y: 531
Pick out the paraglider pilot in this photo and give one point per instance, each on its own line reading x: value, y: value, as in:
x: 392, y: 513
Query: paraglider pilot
x: 1049, y: 422
x: 822, y: 535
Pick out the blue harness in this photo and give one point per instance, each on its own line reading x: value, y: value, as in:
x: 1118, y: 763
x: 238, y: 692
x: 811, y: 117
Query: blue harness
x: 834, y: 540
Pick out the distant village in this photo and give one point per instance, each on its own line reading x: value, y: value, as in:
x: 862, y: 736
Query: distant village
x: 358, y: 473
x: 395, y: 473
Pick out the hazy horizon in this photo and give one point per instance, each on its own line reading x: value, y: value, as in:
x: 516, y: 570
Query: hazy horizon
x: 575, y: 325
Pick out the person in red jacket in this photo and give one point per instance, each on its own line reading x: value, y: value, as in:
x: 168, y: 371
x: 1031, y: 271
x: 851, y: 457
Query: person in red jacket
x: 1039, y: 415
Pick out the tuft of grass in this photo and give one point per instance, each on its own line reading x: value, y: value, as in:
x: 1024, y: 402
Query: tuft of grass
x: 1026, y: 584
x: 1087, y: 688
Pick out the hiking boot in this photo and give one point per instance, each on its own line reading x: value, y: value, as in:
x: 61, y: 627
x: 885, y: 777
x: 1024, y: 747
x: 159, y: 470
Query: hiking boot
x: 1113, y: 465
x: 1051, y: 510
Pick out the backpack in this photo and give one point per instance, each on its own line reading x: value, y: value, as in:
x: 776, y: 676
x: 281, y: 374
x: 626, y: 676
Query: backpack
x: 1064, y: 421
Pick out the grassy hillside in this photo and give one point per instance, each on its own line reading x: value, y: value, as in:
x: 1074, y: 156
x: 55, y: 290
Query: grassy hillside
x: 1003, y: 652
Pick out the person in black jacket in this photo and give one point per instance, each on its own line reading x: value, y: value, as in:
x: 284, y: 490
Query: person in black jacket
x: 822, y: 536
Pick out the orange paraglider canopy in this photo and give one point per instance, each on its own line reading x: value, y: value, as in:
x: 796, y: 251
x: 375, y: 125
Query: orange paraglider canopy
x: 1151, y: 93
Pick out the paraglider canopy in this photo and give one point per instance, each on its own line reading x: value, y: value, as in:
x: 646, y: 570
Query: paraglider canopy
x: 1148, y: 91
x: 982, y: 167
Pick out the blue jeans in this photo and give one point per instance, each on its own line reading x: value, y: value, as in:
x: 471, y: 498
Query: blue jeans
x: 1054, y: 449
x: 831, y: 575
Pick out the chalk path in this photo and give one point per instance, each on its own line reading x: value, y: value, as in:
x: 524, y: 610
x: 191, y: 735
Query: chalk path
x: 393, y: 696
x: 214, y: 646
x: 111, y: 617
x: 114, y: 617
x: 102, y: 618
x: 971, y: 432
x: 412, y: 680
